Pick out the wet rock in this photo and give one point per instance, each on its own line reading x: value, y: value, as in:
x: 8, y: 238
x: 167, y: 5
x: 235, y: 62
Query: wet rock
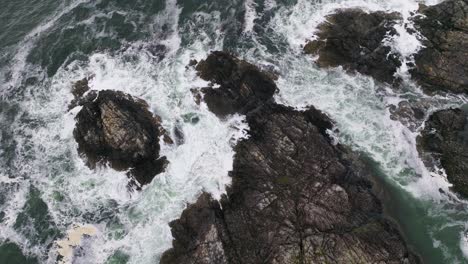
x: 353, y: 39
x: 295, y: 197
x: 192, y: 63
x: 157, y: 50
x: 444, y: 143
x: 80, y: 87
x: 197, y: 96
x: 179, y: 134
x: 242, y: 86
x: 443, y: 64
x: 196, y: 233
x: 118, y: 129
x: 411, y: 113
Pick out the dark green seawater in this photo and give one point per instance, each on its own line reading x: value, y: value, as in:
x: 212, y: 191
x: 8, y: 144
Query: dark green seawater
x: 142, y: 47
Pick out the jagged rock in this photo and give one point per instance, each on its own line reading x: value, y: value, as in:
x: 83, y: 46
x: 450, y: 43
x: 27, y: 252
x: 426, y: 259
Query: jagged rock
x: 295, y: 197
x: 80, y: 87
x: 444, y: 142
x: 353, y: 39
x: 242, y: 86
x: 411, y: 113
x: 116, y: 128
x: 196, y: 235
x: 442, y: 65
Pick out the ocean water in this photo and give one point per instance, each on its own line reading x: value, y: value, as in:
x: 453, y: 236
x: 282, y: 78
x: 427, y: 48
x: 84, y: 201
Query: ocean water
x: 142, y: 47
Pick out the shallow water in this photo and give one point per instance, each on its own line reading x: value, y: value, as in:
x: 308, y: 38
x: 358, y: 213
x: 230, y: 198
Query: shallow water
x: 142, y: 47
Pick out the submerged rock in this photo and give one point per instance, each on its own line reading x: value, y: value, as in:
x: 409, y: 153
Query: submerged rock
x: 242, y: 86
x: 442, y: 65
x: 353, y: 39
x: 35, y: 221
x: 116, y: 128
x: 295, y: 197
x: 444, y: 142
x: 10, y: 253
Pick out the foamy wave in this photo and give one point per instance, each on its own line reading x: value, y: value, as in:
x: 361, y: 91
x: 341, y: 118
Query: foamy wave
x: 250, y: 15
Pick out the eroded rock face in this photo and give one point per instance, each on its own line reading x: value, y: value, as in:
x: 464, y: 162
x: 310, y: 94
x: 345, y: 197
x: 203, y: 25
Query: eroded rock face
x: 242, y: 86
x: 353, y: 39
x: 119, y: 129
x: 443, y: 64
x: 444, y: 142
x: 295, y: 198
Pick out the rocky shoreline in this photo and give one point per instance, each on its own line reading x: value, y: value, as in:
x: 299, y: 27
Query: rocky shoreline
x: 355, y: 40
x: 295, y: 196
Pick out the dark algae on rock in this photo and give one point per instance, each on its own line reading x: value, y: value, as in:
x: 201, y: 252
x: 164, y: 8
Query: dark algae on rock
x: 116, y: 128
x: 353, y: 39
x: 444, y: 142
x: 295, y: 197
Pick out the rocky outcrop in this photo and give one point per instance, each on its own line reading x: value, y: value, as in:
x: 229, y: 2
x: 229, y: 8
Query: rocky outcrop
x: 442, y: 65
x: 118, y: 129
x: 444, y: 142
x: 242, y: 86
x: 353, y: 39
x: 295, y: 197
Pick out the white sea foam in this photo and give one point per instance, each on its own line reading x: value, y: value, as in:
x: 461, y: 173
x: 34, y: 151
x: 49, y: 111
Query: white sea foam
x: 464, y: 243
x: 270, y: 4
x: 250, y: 15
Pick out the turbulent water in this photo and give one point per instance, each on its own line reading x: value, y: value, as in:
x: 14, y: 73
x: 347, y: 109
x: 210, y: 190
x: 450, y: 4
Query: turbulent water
x: 142, y: 47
